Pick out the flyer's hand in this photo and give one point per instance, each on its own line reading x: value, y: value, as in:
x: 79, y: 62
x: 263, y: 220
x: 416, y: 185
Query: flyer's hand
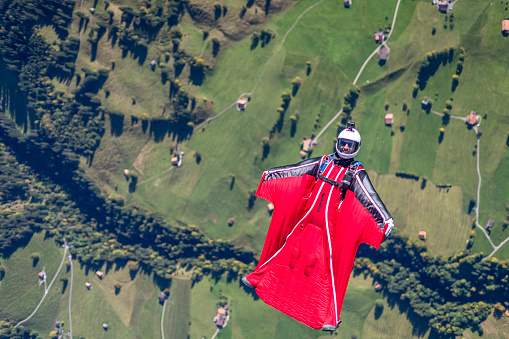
x: 389, y: 225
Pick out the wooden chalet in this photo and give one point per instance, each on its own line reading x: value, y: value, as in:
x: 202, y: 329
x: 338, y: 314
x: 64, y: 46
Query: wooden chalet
x: 505, y: 27
x: 305, y: 148
x: 489, y: 225
x: 221, y: 317
x: 270, y: 208
x: 241, y: 104
x: 443, y: 6
x: 472, y: 118
x: 389, y: 119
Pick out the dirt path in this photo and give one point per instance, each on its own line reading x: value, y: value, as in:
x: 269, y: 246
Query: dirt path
x: 70, y: 295
x: 162, y: 318
x: 315, y: 140
x: 46, y: 290
x: 264, y: 68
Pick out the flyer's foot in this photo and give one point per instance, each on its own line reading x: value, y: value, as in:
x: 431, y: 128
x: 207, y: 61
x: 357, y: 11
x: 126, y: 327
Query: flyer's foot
x: 246, y: 282
x: 330, y: 328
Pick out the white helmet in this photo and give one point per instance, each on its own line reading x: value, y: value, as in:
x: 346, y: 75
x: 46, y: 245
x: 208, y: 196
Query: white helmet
x: 349, y: 142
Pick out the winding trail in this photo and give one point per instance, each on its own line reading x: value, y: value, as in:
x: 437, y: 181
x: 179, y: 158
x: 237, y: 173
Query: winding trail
x: 70, y: 295
x: 315, y: 140
x: 46, y: 289
x: 217, y: 331
x: 162, y: 318
x: 265, y: 67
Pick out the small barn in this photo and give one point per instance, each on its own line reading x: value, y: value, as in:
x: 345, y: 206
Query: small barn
x: 306, y: 143
x: 241, y: 104
x: 378, y: 287
x: 231, y: 221
x: 472, y: 118
x: 489, y: 225
x: 505, y: 27
x: 88, y: 285
x: 41, y: 275
x: 425, y: 103
x: 105, y: 326
x: 422, y: 235
x: 99, y: 274
x: 379, y: 36
x: 443, y: 6
x: 221, y: 317
x: 383, y: 54
x: 347, y: 3
x: 389, y: 119
x: 161, y: 297
x: 270, y: 208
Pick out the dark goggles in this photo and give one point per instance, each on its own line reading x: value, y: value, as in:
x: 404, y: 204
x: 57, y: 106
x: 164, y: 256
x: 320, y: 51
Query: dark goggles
x: 347, y: 146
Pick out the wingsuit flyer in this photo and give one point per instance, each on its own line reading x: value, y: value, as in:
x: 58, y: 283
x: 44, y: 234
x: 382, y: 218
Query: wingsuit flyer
x: 324, y: 208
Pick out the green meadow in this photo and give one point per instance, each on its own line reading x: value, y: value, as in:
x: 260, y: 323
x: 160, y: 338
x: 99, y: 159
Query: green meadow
x: 336, y: 42
x: 133, y: 312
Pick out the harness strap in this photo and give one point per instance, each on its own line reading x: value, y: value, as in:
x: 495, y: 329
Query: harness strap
x: 329, y: 181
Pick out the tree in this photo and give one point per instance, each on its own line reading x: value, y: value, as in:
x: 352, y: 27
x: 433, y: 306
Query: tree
x: 2, y: 272
x: 35, y: 258
x: 117, y: 287
x: 53, y: 335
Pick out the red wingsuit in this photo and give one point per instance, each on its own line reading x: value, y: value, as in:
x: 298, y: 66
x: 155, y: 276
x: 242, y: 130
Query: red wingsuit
x: 313, y: 238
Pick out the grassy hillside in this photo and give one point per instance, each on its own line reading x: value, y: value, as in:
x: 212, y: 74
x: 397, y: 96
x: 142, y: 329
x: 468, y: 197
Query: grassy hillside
x: 250, y: 317
x: 133, y: 312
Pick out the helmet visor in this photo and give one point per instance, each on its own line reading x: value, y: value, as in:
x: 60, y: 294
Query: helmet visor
x: 347, y: 146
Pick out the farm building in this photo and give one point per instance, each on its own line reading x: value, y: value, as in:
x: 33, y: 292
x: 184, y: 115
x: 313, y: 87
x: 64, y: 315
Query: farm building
x: 347, y: 3
x: 505, y: 27
x: 162, y: 297
x: 489, y: 225
x: 389, y: 119
x: 379, y: 36
x: 231, y: 221
x: 41, y: 275
x: 241, y: 104
x: 99, y: 274
x: 220, y: 318
x: 270, y: 208
x: 383, y: 54
x: 443, y: 6
x: 472, y: 118
x: 425, y: 103
x: 88, y: 285
x: 105, y: 326
x: 378, y: 287
x: 305, y: 147
x: 422, y: 235
x: 506, y: 313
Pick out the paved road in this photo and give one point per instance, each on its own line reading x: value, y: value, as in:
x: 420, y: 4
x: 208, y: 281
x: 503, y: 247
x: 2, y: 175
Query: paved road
x: 46, y: 290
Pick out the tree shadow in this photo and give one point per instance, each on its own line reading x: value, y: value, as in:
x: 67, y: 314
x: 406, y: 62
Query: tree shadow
x: 65, y: 282
x: 116, y: 124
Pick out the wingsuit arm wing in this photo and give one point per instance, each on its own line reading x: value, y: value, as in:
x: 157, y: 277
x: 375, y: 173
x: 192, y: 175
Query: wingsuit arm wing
x: 375, y: 233
x: 270, y: 184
